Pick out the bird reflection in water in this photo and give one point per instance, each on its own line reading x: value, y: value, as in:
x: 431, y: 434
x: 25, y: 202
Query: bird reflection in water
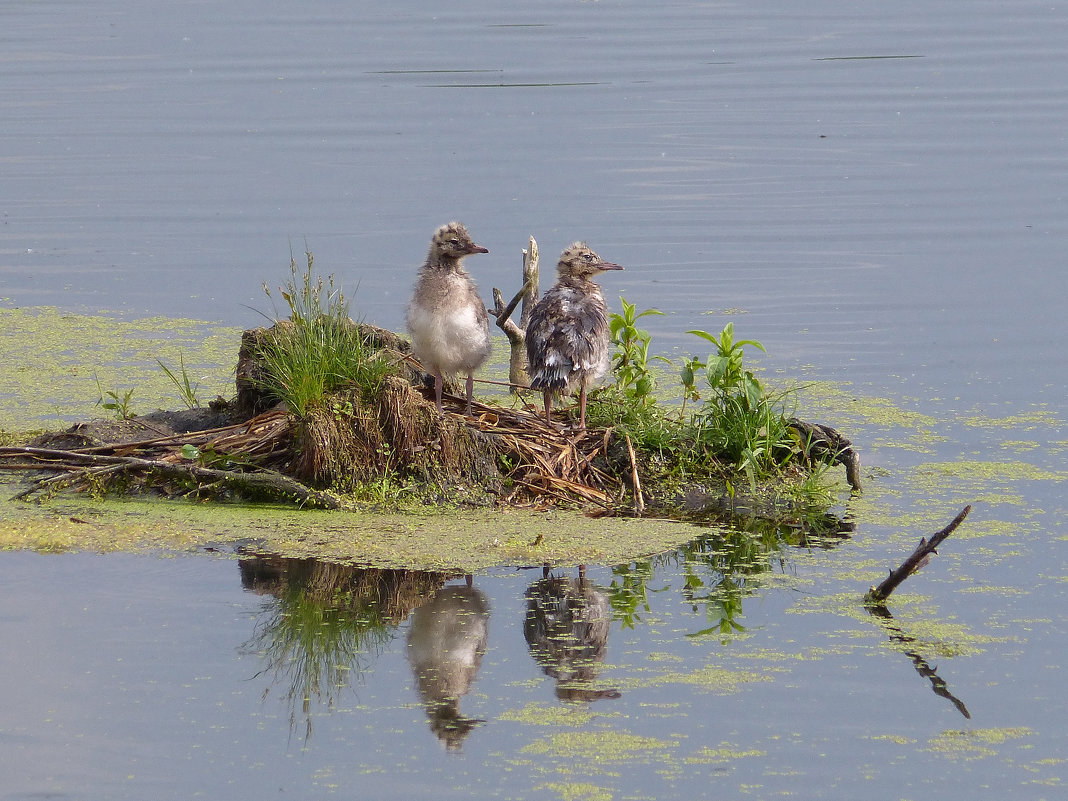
x: 566, y: 629
x: 446, y: 641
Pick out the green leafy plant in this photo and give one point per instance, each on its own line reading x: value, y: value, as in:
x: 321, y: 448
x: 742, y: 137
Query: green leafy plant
x: 341, y: 408
x: 388, y: 486
x: 630, y: 362
x: 187, y: 391
x: 629, y: 403
x: 739, y: 421
x: 724, y: 370
x: 113, y: 402
x: 729, y: 425
x: 688, y: 376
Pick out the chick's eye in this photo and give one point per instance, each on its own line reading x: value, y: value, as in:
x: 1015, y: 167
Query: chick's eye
x: 454, y: 242
x: 587, y: 256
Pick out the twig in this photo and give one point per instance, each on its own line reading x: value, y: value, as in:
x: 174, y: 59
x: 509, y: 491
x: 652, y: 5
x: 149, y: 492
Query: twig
x: 271, y: 417
x: 504, y: 314
x: 89, y: 465
x: 918, y: 558
x: 71, y: 478
x: 30, y: 466
x: 639, y: 501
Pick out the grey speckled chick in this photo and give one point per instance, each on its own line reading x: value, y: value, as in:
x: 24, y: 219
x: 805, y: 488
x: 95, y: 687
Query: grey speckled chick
x: 446, y: 317
x: 567, y: 336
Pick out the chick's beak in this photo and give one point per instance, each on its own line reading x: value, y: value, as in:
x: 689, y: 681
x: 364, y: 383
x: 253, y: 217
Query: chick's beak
x: 477, y: 249
x: 607, y: 265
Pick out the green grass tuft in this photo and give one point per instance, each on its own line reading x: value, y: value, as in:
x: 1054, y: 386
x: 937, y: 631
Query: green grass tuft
x: 317, y: 348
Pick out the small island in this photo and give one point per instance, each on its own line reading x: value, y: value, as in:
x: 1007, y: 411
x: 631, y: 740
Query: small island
x: 336, y: 414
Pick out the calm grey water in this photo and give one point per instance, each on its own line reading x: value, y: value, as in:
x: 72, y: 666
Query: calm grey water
x: 875, y: 191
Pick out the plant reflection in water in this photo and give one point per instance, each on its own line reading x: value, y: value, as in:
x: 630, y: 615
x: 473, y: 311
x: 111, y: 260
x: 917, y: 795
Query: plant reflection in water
x: 327, y: 624
x: 721, y: 568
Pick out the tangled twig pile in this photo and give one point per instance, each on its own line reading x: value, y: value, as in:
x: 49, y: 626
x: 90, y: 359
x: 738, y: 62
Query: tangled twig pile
x: 511, y: 452
x: 255, y: 457
x: 547, y: 462
x: 238, y: 458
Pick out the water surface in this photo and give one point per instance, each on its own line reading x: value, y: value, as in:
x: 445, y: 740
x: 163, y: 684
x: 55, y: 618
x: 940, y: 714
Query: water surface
x: 876, y: 192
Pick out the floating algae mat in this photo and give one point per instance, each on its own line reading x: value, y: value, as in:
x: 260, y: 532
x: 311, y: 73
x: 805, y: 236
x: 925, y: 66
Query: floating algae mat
x: 464, y: 541
x: 55, y: 365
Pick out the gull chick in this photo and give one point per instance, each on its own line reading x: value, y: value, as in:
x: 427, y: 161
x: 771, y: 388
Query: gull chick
x: 447, y: 319
x: 567, y: 336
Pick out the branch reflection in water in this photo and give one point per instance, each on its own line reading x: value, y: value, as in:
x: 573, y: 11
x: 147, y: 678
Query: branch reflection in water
x: 910, y: 647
